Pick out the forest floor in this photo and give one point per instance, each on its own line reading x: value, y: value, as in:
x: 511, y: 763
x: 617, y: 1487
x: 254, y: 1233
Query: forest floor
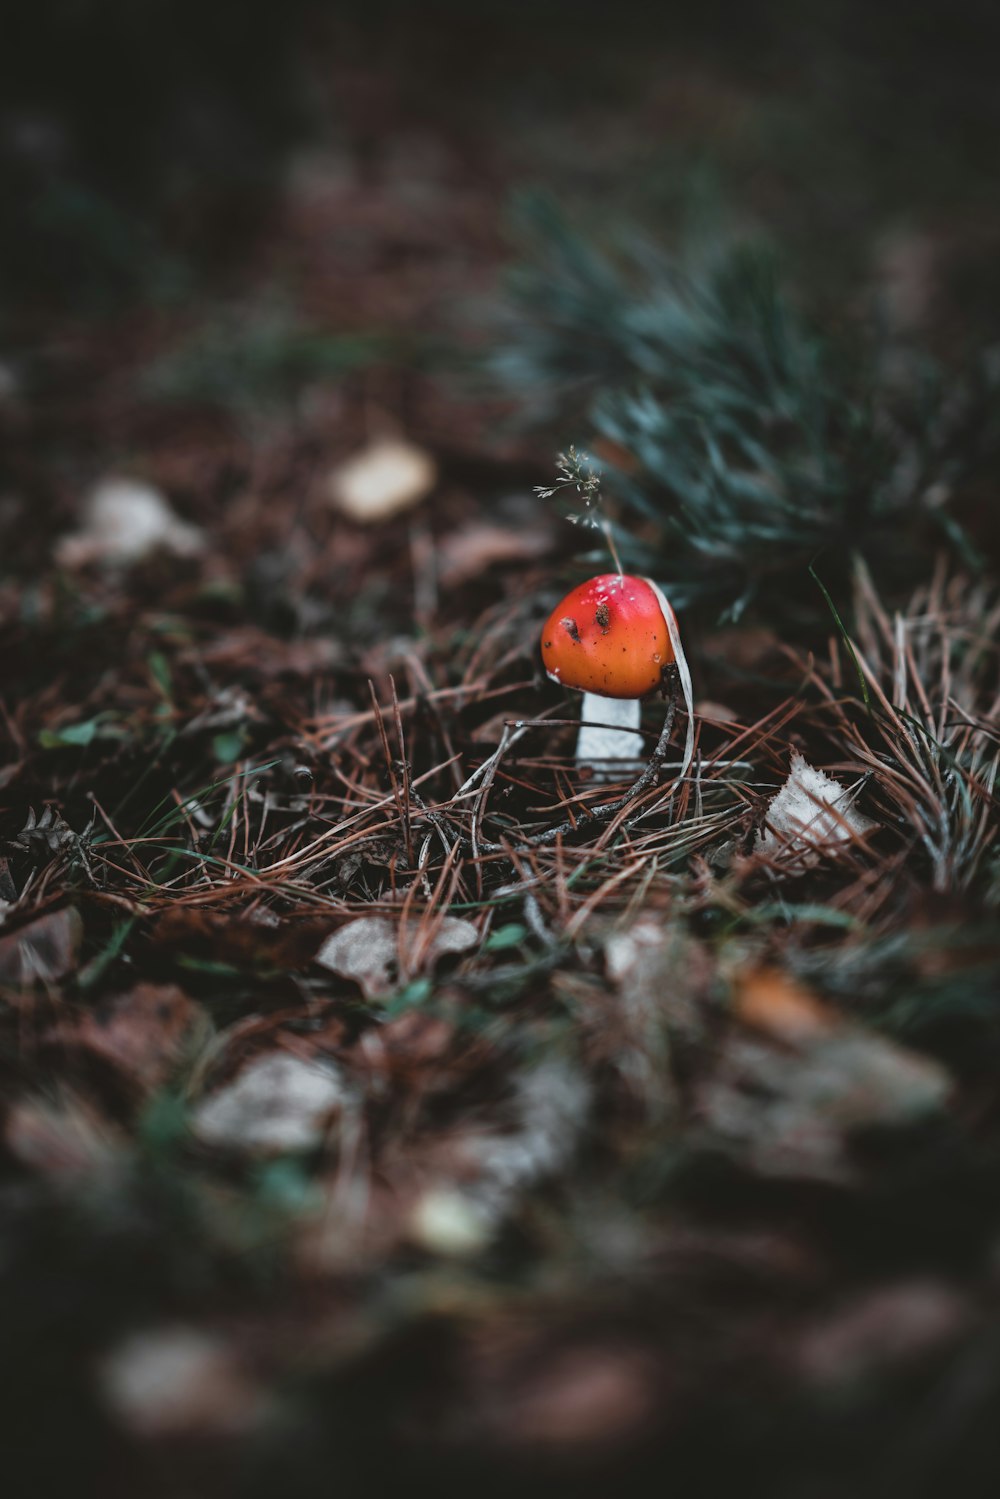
x: 357, y: 1132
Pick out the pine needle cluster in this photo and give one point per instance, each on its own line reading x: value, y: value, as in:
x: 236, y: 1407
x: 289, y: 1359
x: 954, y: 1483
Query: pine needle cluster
x: 739, y: 442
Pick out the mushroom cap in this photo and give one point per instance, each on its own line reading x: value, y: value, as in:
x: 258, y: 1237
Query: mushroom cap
x: 608, y: 636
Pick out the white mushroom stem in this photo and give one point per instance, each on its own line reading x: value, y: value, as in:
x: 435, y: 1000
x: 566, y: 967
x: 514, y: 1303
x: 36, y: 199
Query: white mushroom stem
x: 607, y: 738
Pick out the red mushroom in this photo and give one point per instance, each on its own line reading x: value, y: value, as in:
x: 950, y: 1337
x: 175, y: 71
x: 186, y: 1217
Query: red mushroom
x: 613, y: 638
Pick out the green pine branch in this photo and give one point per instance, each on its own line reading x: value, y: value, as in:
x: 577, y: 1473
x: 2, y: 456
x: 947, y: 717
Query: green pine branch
x: 746, y: 444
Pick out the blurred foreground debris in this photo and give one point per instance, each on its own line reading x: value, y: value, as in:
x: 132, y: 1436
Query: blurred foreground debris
x: 178, y: 1380
x: 124, y: 521
x: 792, y: 1105
x: 382, y: 480
x: 276, y: 1103
x: 42, y: 951
x: 373, y: 950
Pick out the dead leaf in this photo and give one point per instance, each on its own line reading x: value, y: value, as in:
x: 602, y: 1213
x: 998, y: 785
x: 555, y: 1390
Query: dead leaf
x: 412, y: 1046
x: 303, y: 1033
x: 451, y: 935
x: 241, y: 940
x: 794, y: 1113
x: 386, y: 478
x: 810, y: 817
x: 43, y: 951
x: 178, y: 1380
x: 369, y: 950
x: 141, y: 1033
x: 772, y: 1001
x: 550, y: 1106
x: 365, y: 950
x: 657, y: 967
x: 124, y: 521
x: 60, y: 1137
x: 277, y: 1103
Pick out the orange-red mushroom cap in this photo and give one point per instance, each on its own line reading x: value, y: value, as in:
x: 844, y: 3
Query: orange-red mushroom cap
x: 609, y: 636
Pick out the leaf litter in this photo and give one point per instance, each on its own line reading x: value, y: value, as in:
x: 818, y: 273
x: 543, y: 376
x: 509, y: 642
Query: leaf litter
x: 356, y: 1011
x: 366, y: 1091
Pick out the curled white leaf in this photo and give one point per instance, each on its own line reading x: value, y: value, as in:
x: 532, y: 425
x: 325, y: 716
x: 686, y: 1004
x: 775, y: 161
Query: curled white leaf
x: 810, y: 817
